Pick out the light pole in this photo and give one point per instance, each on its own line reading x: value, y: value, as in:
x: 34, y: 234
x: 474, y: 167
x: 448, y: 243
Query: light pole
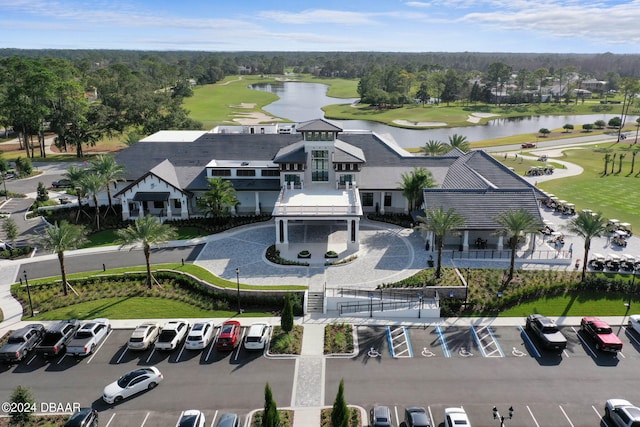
x: 501, y: 418
x: 370, y: 304
x: 238, y: 283
x: 420, y: 300
x: 26, y: 281
x: 4, y: 184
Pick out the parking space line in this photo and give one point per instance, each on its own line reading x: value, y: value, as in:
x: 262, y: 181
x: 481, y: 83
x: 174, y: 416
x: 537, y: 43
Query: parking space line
x: 477, y: 339
x: 584, y: 343
x: 600, y: 417
x: 400, y: 335
x: 395, y: 409
x: 244, y: 331
x: 32, y: 359
x: 110, y: 419
x: 212, y: 344
x: 529, y: 341
x: 566, y: 416
x: 100, y: 346
x: 532, y: 417
x: 150, y: 355
x: 181, y: 350
x: 630, y: 335
x: 443, y: 342
x: 215, y: 415
x: 122, y: 355
x: 60, y: 360
x: 146, y: 417
x: 430, y: 413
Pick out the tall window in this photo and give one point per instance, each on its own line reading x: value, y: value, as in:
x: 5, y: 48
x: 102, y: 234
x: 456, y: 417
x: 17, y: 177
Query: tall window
x: 387, y: 198
x: 367, y: 199
x: 292, y: 177
x: 346, y: 178
x: 320, y: 165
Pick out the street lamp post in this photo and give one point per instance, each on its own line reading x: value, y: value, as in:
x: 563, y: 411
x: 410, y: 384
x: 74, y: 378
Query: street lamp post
x: 501, y: 418
x: 370, y: 304
x: 238, y: 283
x: 420, y: 301
x: 4, y: 184
x: 26, y: 281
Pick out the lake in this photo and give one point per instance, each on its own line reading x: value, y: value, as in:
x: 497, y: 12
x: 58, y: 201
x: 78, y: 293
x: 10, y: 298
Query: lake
x: 300, y: 102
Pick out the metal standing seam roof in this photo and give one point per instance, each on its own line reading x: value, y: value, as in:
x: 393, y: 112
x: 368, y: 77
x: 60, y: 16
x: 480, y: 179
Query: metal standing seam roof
x: 480, y: 207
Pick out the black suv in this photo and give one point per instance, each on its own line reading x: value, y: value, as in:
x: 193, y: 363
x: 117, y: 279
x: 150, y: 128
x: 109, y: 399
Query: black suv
x: 416, y: 416
x: 547, y: 332
x: 84, y: 417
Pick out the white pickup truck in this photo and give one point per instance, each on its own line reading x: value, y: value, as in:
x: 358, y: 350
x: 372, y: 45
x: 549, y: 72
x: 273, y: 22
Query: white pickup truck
x: 88, y: 337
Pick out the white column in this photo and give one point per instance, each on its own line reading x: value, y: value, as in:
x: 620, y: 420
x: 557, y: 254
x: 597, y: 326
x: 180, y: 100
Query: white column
x: 500, y: 243
x: 141, y: 211
x: 184, y: 211
x: 125, y: 209
x: 286, y: 231
x: 382, y: 203
x: 349, y: 232
x: 406, y: 205
x: 430, y: 240
x: 257, y: 210
x: 465, y: 242
x: 169, y: 211
x: 357, y: 242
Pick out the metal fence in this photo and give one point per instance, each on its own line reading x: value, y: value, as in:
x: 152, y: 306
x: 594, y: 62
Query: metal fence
x: 506, y: 254
x: 370, y: 306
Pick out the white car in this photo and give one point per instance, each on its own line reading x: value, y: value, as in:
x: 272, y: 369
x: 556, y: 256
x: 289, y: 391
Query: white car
x: 173, y: 333
x: 200, y: 335
x: 143, y: 336
x: 191, y: 418
x: 634, y: 322
x: 257, y: 336
x: 456, y: 417
x: 132, y: 383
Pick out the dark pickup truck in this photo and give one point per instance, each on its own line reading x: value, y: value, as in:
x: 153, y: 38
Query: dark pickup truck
x: 21, y: 342
x: 601, y: 333
x: 546, y: 331
x: 57, y: 337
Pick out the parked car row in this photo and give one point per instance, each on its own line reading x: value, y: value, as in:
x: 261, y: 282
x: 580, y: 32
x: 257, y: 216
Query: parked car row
x: 417, y: 416
x: 549, y: 336
x: 197, y: 336
x: 88, y: 417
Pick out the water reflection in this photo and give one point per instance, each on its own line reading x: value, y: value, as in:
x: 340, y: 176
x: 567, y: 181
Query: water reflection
x: 304, y: 101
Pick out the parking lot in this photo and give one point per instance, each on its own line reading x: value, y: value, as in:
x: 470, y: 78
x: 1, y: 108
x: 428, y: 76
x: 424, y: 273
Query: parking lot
x: 210, y: 380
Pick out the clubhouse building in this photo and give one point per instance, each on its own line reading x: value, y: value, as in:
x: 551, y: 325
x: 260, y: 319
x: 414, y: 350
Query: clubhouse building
x: 315, y: 173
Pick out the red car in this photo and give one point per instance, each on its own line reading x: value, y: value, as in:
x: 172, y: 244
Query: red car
x: 528, y: 145
x: 229, y: 336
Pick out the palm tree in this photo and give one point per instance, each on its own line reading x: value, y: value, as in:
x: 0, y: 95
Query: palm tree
x: 145, y: 231
x: 516, y: 224
x: 440, y: 223
x: 587, y: 225
x: 111, y: 172
x: 63, y: 237
x: 434, y: 148
x: 607, y: 159
x: 92, y: 184
x: 634, y: 153
x: 75, y: 175
x: 218, y: 199
x: 620, y: 158
x: 460, y: 142
x: 412, y: 185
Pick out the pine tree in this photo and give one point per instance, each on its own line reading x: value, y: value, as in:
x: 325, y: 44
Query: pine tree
x: 340, y: 412
x: 286, y: 319
x: 42, y: 193
x: 22, y: 395
x: 270, y: 417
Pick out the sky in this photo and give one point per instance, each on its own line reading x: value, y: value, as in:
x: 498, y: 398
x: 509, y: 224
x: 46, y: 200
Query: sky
x: 554, y: 26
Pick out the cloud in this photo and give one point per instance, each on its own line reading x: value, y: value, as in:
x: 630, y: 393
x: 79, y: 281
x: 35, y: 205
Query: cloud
x: 318, y: 16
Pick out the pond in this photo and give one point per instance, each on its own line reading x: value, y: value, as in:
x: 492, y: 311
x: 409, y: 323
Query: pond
x: 300, y: 102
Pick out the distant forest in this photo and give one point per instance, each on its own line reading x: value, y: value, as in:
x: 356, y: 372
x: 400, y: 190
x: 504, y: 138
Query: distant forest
x: 343, y: 64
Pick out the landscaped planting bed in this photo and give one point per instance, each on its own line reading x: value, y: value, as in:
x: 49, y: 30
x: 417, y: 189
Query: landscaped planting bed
x: 338, y: 338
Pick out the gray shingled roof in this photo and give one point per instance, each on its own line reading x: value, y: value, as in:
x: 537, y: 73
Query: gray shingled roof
x: 318, y: 125
x: 348, y: 153
x: 293, y: 153
x: 480, y: 207
x: 478, y: 169
x: 167, y: 172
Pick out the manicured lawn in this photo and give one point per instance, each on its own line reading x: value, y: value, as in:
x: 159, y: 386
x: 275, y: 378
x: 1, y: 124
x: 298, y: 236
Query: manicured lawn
x: 581, y: 304
x: 213, y: 104
x: 108, y: 237
x: 136, y: 307
x: 338, y: 88
x: 613, y: 195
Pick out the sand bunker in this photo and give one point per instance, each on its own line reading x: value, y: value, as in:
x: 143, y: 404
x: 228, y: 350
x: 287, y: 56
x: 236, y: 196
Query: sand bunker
x: 254, y: 118
x: 475, y: 117
x: 418, y: 124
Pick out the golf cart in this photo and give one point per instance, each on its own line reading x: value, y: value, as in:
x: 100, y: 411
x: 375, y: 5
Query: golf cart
x: 619, y: 238
x: 613, y: 262
x: 551, y: 202
x: 628, y: 262
x: 597, y: 261
x: 569, y: 209
x: 547, y: 228
x: 626, y: 227
x: 612, y: 225
x: 560, y: 206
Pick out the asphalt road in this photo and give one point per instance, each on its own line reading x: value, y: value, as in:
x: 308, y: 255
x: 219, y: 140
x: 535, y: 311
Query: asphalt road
x: 476, y: 368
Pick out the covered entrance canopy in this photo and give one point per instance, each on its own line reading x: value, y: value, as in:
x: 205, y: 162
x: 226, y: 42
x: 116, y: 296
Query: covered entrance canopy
x: 318, y: 203
x: 145, y: 196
